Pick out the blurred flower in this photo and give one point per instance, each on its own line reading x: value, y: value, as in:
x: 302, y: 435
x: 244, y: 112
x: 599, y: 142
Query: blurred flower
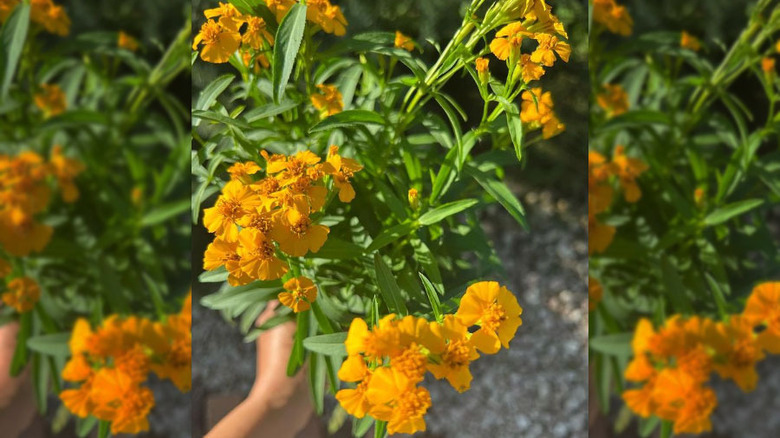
x: 615, y: 18
x: 219, y: 42
x: 354, y: 400
x: 495, y: 310
x: 483, y: 69
x: 595, y: 293
x: 599, y: 236
x: 682, y: 399
x: 698, y: 195
x: 66, y: 170
x: 762, y: 310
x: 548, y: 46
x: 530, y: 70
x: 628, y: 170
x: 768, y: 65
x: 280, y: 7
x: 413, y: 196
x: 127, y: 42
x: 328, y: 101
x: 736, y: 350
x: 121, y: 400
x: 537, y: 106
x: 22, y: 294
x: 403, y: 42
x: 614, y: 100
x: 688, y: 41
x: 51, y: 16
x: 327, y: 16
x: 51, y: 100
x: 300, y: 293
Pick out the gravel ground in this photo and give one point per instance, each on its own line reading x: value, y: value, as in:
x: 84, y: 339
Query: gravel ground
x: 537, y: 388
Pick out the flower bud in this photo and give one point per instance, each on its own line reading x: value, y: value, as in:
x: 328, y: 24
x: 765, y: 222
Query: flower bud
x: 483, y: 70
x: 414, y: 198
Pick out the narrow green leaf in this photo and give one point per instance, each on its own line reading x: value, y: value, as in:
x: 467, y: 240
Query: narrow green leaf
x: 298, y: 355
x: 667, y: 428
x: 648, y: 426
x: 317, y: 373
x: 104, y: 429
x: 14, y: 34
x: 391, y: 293
x: 218, y: 275
x: 614, y: 345
x: 288, y: 41
x: 731, y: 210
x: 20, y: 353
x: 327, y: 345
x: 717, y: 294
x: 444, y: 211
x: 380, y: 429
x: 164, y: 212
x: 85, y: 426
x: 51, y: 345
x: 501, y: 193
x: 390, y: 235
x: 348, y: 119
x: 515, y: 130
x: 433, y: 297
x: 212, y: 91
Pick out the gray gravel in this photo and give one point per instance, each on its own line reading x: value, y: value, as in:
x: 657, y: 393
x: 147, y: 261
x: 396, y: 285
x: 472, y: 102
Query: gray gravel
x: 537, y: 388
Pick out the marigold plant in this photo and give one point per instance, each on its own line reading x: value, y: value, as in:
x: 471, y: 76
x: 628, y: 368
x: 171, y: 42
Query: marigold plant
x: 334, y: 174
x: 682, y: 190
x: 92, y: 222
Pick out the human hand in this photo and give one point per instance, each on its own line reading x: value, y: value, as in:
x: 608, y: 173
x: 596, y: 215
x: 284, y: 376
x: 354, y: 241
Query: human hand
x: 17, y: 407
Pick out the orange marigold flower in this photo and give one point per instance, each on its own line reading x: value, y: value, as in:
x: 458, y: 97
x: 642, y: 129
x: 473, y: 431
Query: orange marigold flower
x: 383, y: 340
x: 300, y: 293
x: 396, y: 399
x: 342, y: 169
x: 219, y: 41
x: 537, y: 106
x: 22, y: 294
x: 530, y: 71
x: 762, y: 309
x: 403, y: 42
x: 297, y: 235
x: 628, y: 170
x: 506, y: 44
x: 329, y: 17
x: 599, y: 236
x: 458, y: 353
x: 737, y: 351
x: 614, y: 100
x: 229, y: 16
x: 224, y: 253
x: 120, y: 400
x: 595, y: 293
x: 280, y: 7
x: 127, y: 42
x: 51, y: 16
x: 614, y: 17
x: 495, y: 310
x: 258, y: 259
x: 51, y: 100
x: 242, y: 171
x: 235, y: 202
x: 328, y: 101
x: 549, y: 45
x: 768, y: 65
x: 256, y: 32
x: 66, y: 170
x: 688, y: 41
x: 682, y: 399
x: 413, y: 196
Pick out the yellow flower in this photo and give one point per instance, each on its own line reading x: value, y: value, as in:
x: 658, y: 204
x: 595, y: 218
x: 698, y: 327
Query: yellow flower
x: 22, y: 294
x: 737, y: 351
x: 628, y: 170
x: 329, y: 17
x: 219, y: 42
x: 552, y: 127
x: 599, y: 236
x: 66, y: 170
x: 342, y: 169
x: 223, y: 253
x: 762, y: 309
x: 301, y: 292
x: 615, y: 18
x: 537, y: 106
x: 614, y: 100
x: 328, y: 101
x: 235, y: 202
x: 682, y: 399
x: 229, y: 16
x: 549, y: 45
x: 297, y: 235
x: 51, y: 100
x: 403, y: 42
x: 383, y: 340
x: 354, y: 400
x: 280, y: 7
x: 127, y: 42
x: 483, y: 69
x: 506, y: 44
x: 688, y: 41
x: 51, y: 16
x: 120, y: 400
x: 396, y: 399
x: 172, y: 345
x: 768, y: 65
x: 257, y: 256
x: 256, y: 32
x: 242, y: 171
x: 459, y: 352
x: 530, y: 70
x: 495, y: 310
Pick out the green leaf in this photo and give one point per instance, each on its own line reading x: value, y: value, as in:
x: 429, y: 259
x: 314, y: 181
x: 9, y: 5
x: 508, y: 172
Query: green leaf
x: 104, y: 429
x: 444, y: 211
x: 164, y: 212
x: 515, y: 127
x: 327, y: 345
x: 731, y: 210
x: 390, y: 235
x: 391, y: 293
x: 21, y: 352
x: 218, y: 275
x: 85, y: 426
x: 317, y: 373
x: 667, y: 428
x: 337, y: 249
x: 717, y: 294
x: 13, y: 38
x: 348, y: 119
x: 288, y: 41
x: 433, y: 297
x: 501, y: 193
x: 52, y: 345
x: 614, y: 345
x: 298, y: 355
x: 209, y: 94
x: 380, y: 429
x: 647, y: 426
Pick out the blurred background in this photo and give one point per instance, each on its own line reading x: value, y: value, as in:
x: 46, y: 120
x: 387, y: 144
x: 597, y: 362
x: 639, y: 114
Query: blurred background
x: 717, y: 23
x: 538, y: 387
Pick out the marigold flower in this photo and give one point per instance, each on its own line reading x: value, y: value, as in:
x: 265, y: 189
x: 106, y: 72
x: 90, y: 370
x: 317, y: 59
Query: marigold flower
x: 256, y: 32
x: 383, y: 340
x: 51, y: 16
x: 549, y: 45
x: 219, y: 41
x: 127, y: 42
x: 682, y: 399
x: 537, y: 106
x: 529, y: 70
x: 229, y: 16
x: 688, y: 41
x: 342, y: 169
x: 51, y: 100
x: 506, y: 44
x: 120, y: 400
x: 458, y: 353
x: 403, y: 42
x: 599, y: 236
x: 762, y: 309
x: 615, y: 18
x: 328, y: 101
x: 224, y: 253
x: 552, y: 127
x: 280, y: 7
x: 768, y: 65
x: 628, y: 170
x: 235, y: 202
x: 66, y: 170
x: 242, y: 171
x: 595, y: 293
x: 329, y: 17
x: 257, y: 256
x: 397, y: 400
x: 354, y: 400
x: 297, y: 235
x: 614, y: 100
x: 698, y: 195
x: 737, y: 351
x: 22, y: 294
x: 301, y: 292
x: 495, y: 310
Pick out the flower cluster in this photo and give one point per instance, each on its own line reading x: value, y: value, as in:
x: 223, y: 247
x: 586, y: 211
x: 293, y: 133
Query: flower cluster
x: 51, y: 100
x: 674, y: 363
x: 613, y: 16
x: 227, y: 29
x: 44, y: 13
x: 614, y: 100
x: 600, y: 192
x: 25, y: 192
x: 389, y: 361
x: 253, y: 216
x: 537, y: 23
x: 111, y: 363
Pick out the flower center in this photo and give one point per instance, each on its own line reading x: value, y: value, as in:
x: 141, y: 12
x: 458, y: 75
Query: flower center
x: 261, y: 223
x: 264, y: 251
x: 229, y: 209
x: 414, y: 403
x: 210, y: 32
x: 493, y: 316
x: 301, y: 226
x: 411, y: 362
x: 456, y: 354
